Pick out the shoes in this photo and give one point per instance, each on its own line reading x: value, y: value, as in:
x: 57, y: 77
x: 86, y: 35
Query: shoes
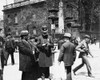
x: 5, y: 64
x: 90, y: 75
x: 74, y: 72
x: 13, y: 63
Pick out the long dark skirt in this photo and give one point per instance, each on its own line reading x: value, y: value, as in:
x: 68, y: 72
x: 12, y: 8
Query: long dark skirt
x: 31, y: 75
x: 44, y: 71
x: 28, y: 76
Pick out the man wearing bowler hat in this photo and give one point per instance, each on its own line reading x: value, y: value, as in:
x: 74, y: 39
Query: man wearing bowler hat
x: 83, y: 48
x: 45, y: 45
x: 67, y: 55
x: 9, y: 48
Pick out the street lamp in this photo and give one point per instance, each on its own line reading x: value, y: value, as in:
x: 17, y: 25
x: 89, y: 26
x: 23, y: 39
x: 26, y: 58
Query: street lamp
x: 68, y: 21
x: 72, y: 26
x: 53, y: 17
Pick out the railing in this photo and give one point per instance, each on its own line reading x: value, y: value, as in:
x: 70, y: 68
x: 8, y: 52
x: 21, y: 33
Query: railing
x: 22, y: 3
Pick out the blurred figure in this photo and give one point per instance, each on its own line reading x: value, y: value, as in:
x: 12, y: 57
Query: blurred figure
x: 83, y: 48
x: 67, y: 55
x: 74, y: 41
x: 60, y: 42
x: 93, y: 40
x: 45, y: 45
x: 27, y: 63
x: 33, y: 41
x: 16, y: 40
x: 2, y: 57
x: 10, y: 48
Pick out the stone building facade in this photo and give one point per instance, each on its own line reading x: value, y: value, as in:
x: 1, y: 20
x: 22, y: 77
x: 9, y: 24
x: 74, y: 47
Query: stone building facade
x: 28, y: 15
x: 1, y: 28
x: 32, y: 14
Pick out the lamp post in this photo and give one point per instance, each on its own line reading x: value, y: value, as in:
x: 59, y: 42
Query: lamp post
x: 61, y: 17
x: 53, y: 17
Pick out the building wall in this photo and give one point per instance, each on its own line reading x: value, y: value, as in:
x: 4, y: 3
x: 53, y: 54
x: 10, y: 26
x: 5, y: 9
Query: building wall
x: 28, y: 17
x: 1, y: 28
x: 9, y: 20
x: 33, y: 16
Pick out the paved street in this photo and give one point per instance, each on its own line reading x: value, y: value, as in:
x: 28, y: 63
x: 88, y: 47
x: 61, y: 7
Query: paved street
x: 57, y: 71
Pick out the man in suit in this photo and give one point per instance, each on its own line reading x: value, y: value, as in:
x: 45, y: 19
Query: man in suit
x: 45, y: 46
x: 26, y: 58
x: 83, y: 48
x: 67, y: 54
x: 10, y: 48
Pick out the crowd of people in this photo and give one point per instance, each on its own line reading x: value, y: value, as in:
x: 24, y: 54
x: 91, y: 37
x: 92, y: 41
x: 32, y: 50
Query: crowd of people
x: 36, y: 54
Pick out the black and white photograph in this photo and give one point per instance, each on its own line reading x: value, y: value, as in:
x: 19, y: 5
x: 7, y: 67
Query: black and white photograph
x: 49, y: 39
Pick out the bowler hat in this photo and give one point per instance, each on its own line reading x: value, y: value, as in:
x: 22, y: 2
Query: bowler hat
x: 44, y: 29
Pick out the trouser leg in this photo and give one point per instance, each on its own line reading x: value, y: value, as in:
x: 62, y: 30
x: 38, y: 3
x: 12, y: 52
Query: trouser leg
x: 1, y: 74
x: 87, y: 65
x: 23, y: 76
x: 68, y: 72
x: 12, y: 58
x: 7, y: 56
x: 2, y: 61
x: 47, y: 72
x: 80, y: 66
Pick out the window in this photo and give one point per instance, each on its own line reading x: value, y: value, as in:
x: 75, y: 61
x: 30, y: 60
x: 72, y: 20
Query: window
x: 16, y: 18
x: 34, y: 31
x: 9, y: 18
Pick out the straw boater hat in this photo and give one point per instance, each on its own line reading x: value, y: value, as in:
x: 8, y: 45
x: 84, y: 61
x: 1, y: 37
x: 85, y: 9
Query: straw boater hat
x: 24, y: 33
x: 68, y: 35
x: 87, y: 36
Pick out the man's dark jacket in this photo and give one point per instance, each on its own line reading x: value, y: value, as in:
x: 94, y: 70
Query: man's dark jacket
x: 45, y: 55
x: 26, y: 57
x: 67, y: 53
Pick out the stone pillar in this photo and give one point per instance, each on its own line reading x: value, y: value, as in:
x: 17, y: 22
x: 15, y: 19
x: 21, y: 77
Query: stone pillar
x: 61, y: 17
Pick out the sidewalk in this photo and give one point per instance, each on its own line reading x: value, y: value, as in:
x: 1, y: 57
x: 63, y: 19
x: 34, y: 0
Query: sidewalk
x: 95, y: 64
x: 58, y: 72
